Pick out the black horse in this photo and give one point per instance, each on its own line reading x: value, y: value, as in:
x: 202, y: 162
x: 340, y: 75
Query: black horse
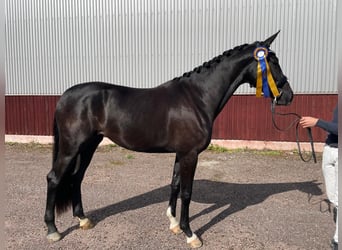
x: 176, y: 116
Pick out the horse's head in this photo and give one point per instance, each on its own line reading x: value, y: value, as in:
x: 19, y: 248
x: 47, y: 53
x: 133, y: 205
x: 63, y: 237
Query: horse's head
x: 262, y: 60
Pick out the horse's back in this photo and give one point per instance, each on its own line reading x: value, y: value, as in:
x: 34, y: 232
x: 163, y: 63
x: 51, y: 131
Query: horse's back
x: 87, y: 89
x: 83, y: 106
x: 95, y: 92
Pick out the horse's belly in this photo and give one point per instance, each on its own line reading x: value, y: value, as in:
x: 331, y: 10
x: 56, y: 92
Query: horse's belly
x: 141, y: 140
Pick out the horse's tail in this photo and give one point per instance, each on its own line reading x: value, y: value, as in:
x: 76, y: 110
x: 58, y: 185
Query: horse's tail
x: 64, y: 189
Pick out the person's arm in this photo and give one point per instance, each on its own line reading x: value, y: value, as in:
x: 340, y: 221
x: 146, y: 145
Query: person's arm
x: 331, y: 127
x: 308, y: 121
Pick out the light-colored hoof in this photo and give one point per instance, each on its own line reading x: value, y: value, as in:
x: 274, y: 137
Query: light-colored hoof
x: 86, y: 224
x: 174, y: 224
x: 54, y: 237
x: 194, y: 241
x: 176, y: 230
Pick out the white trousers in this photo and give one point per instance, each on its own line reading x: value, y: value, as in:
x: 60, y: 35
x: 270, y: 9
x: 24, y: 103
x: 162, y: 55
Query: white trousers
x: 330, y: 173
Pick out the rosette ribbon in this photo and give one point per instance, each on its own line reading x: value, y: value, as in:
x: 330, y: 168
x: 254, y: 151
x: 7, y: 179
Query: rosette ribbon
x: 265, y: 82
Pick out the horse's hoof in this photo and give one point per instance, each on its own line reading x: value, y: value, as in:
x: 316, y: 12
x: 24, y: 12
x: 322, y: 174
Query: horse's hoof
x: 86, y: 224
x: 194, y: 241
x: 53, y: 237
x: 176, y: 230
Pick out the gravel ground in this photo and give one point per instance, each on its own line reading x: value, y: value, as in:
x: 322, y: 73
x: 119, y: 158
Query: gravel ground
x: 242, y: 199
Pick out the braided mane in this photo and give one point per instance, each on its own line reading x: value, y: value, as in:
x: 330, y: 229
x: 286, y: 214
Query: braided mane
x: 214, y: 61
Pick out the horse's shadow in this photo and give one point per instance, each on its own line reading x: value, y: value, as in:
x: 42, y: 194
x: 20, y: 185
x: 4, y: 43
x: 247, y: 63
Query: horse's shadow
x: 219, y: 194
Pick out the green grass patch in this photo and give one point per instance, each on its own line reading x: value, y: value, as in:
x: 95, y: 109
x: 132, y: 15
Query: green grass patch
x: 265, y: 152
x: 218, y: 149
x: 107, y: 148
x: 116, y: 163
x: 129, y: 156
x: 29, y: 146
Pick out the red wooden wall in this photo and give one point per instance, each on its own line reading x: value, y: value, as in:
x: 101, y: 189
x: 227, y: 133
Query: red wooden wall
x: 29, y: 115
x: 245, y: 117
x: 249, y: 118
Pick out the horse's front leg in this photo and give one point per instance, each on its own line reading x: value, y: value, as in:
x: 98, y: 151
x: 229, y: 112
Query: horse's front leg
x: 187, y: 172
x: 175, y: 188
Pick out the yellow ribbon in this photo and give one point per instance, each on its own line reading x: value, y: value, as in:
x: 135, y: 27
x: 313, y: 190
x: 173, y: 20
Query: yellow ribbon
x: 271, y: 81
x: 259, y: 81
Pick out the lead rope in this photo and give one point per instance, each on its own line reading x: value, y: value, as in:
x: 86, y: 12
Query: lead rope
x: 295, y: 122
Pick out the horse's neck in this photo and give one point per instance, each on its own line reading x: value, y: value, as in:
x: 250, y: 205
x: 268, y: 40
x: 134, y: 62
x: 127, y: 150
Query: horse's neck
x: 222, y: 83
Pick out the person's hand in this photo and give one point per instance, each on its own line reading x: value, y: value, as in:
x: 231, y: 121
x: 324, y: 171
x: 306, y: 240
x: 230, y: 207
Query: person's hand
x: 308, y: 121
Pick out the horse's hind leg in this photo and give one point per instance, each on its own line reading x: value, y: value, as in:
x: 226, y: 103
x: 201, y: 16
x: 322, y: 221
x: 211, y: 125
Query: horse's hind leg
x: 175, y: 188
x: 86, y: 153
x: 55, y: 190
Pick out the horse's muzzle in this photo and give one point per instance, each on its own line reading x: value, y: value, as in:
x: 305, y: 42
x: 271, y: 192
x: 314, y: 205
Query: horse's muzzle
x: 286, y: 95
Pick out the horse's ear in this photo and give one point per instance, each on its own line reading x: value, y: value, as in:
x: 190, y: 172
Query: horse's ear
x: 269, y: 40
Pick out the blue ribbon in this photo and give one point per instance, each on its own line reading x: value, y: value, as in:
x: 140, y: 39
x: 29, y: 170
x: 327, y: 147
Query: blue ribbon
x: 265, y: 88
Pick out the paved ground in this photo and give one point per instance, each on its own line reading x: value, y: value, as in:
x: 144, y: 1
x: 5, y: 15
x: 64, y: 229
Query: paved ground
x: 242, y: 200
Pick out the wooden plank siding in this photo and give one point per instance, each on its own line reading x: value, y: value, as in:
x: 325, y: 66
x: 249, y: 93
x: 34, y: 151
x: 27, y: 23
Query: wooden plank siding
x: 243, y: 118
